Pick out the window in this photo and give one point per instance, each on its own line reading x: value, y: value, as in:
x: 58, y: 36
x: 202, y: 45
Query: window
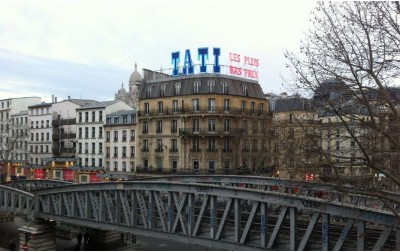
x: 211, y: 105
x: 174, y: 145
x: 124, y: 119
x: 47, y: 136
x: 115, y: 166
x: 252, y: 107
x: 132, y: 135
x: 115, y: 136
x: 132, y: 151
x: 80, y: 116
x: 159, y: 145
x: 243, y: 106
x: 93, y: 148
x: 196, y: 87
x: 86, y: 148
x: 47, y: 149
x: 80, y: 148
x: 148, y: 91
x: 116, y: 120
x: 42, y: 137
x: 196, y: 125
x: 100, y: 132
x: 124, y: 151
x: 226, y: 145
x: 100, y: 116
x: 86, y: 116
x: 227, y: 105
x: 100, y: 148
x: 86, y: 132
x: 123, y: 166
x: 226, y: 125
x: 41, y: 148
x: 107, y: 152
x: 211, y: 125
x: 32, y: 136
x: 196, y: 105
x: 108, y: 136
x: 177, y: 88
x: 174, y: 126
x: 211, y: 86
x: 100, y: 162
x: 47, y: 123
x: 42, y: 124
x: 115, y: 152
x: 145, y: 127
x: 211, y: 144
x: 160, y: 107
x: 261, y: 108
x: 175, y: 106
x: 93, y: 132
x: 124, y: 136
x: 224, y: 85
x: 146, y: 108
x: 162, y: 90
x: 145, y: 145
x: 195, y: 145
x: 159, y: 127
x: 211, y: 167
x: 93, y: 116
x: 245, y: 91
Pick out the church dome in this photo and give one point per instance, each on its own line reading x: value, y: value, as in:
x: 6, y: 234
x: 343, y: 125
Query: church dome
x: 135, y: 76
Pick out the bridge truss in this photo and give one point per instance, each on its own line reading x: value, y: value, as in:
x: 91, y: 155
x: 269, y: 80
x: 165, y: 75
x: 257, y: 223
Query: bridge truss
x: 213, y: 214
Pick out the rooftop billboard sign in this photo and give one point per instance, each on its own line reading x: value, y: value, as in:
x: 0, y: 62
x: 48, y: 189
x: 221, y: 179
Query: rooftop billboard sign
x: 239, y: 65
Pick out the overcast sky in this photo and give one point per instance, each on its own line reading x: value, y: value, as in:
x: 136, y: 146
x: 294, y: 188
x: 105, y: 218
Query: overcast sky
x: 86, y: 49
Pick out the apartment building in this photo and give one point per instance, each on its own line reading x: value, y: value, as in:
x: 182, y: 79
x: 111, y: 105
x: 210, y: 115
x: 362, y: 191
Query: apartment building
x: 90, y: 137
x: 120, y: 130
x: 10, y: 155
x: 202, y: 123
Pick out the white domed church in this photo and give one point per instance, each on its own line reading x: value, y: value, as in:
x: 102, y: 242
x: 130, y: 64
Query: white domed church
x: 135, y: 81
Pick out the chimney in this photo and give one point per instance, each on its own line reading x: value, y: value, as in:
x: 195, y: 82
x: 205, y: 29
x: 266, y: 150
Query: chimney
x: 52, y: 98
x: 55, y: 99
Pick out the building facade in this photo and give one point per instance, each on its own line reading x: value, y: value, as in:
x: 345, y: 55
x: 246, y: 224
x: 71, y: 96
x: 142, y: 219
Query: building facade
x: 120, y: 130
x: 10, y: 156
x: 90, y: 136
x: 206, y: 123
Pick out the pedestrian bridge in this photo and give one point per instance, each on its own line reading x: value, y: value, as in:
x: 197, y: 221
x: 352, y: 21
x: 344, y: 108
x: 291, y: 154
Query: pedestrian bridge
x: 226, y: 212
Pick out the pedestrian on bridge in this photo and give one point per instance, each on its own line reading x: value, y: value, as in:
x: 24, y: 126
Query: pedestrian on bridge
x: 79, y: 238
x: 85, y: 239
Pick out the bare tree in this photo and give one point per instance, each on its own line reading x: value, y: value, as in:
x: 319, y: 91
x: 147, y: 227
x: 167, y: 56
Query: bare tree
x: 13, y: 145
x: 349, y: 64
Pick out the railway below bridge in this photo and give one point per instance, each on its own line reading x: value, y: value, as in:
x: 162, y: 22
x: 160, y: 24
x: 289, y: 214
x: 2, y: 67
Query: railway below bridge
x: 226, y: 212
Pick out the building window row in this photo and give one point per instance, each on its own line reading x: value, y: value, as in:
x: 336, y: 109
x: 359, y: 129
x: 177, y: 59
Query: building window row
x: 90, y: 116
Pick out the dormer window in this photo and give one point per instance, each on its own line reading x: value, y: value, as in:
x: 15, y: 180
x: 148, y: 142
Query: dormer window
x: 245, y: 91
x: 162, y: 90
x: 224, y: 85
x: 148, y: 92
x: 211, y: 86
x: 177, y: 88
x: 196, y: 87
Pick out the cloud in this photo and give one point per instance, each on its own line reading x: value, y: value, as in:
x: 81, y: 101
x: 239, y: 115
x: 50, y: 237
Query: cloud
x: 103, y: 36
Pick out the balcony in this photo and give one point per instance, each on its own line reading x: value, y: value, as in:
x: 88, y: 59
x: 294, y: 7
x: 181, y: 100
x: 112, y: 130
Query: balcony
x: 204, y: 110
x: 64, y: 136
x: 195, y: 150
x: 173, y: 150
x: 203, y: 132
x: 57, y: 150
x: 63, y: 122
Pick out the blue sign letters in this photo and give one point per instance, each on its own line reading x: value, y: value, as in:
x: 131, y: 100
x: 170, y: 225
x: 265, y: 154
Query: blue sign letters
x: 202, y: 57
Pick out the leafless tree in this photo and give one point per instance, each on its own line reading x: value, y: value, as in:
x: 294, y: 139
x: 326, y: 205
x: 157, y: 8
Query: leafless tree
x: 13, y: 138
x: 349, y: 64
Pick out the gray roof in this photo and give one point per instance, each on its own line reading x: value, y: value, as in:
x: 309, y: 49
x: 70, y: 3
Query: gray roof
x: 43, y: 104
x: 123, y: 112
x: 235, y: 86
x: 81, y: 102
x: 93, y: 105
x: 292, y: 103
x: 23, y: 112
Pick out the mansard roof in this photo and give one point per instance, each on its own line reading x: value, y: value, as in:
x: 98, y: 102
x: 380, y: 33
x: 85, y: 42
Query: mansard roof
x: 235, y: 86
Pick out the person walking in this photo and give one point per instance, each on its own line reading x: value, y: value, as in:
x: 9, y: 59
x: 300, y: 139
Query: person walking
x: 85, y: 239
x: 79, y: 238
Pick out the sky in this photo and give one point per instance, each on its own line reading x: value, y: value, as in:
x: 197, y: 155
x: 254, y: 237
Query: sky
x: 87, y: 49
